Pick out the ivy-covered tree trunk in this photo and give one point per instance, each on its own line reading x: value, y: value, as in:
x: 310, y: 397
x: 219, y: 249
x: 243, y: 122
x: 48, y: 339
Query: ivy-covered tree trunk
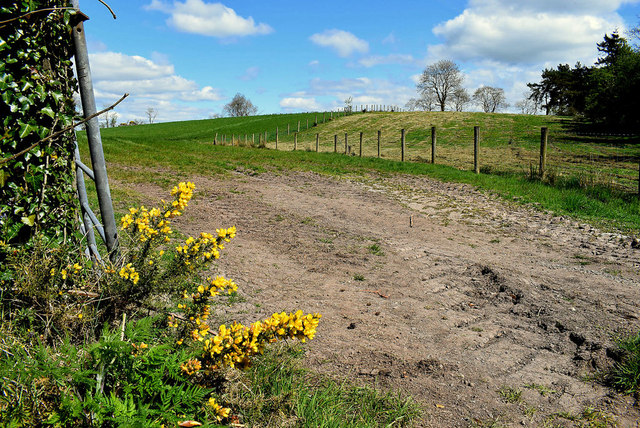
x: 37, y: 193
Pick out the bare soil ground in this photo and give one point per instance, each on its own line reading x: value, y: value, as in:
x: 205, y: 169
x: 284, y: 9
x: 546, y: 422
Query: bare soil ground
x: 433, y: 289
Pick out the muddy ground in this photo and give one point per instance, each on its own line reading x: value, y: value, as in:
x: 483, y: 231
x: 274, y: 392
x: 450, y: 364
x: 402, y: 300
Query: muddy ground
x: 434, y: 289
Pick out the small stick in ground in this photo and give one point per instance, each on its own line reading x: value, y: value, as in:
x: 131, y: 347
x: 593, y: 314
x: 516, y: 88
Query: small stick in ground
x: 378, y: 293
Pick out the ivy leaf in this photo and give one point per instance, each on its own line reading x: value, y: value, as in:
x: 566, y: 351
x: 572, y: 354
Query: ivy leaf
x: 25, y: 130
x: 48, y: 111
x: 29, y: 221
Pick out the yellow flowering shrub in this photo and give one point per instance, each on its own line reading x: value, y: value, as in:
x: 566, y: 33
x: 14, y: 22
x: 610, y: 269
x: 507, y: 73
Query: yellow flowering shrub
x: 153, y: 268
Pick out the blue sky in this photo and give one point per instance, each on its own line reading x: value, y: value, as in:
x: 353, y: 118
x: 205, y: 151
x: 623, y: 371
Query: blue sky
x: 188, y: 58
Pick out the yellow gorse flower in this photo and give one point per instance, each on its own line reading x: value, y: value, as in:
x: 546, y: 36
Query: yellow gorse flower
x: 199, y: 250
x: 221, y: 412
x: 129, y: 272
x: 234, y: 346
x: 153, y: 224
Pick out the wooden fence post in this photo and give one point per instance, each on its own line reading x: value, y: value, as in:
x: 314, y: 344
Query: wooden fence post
x: 307, y: 123
x: 544, y: 133
x: 433, y: 144
x: 345, y: 142
x: 215, y: 139
x: 277, y: 137
x: 402, y: 144
x: 288, y: 129
x: 476, y: 148
x: 361, y: 144
x: 335, y: 143
x: 298, y: 126
x: 295, y: 141
x: 379, y: 132
x: 253, y: 139
x: 317, y: 142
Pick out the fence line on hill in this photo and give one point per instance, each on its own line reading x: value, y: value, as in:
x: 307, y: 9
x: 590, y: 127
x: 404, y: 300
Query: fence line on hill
x: 612, y: 170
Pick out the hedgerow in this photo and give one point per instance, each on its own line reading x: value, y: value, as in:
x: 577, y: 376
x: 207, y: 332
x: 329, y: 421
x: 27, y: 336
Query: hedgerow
x: 37, y: 87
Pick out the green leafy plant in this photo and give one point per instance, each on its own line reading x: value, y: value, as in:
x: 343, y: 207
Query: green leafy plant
x: 37, y: 86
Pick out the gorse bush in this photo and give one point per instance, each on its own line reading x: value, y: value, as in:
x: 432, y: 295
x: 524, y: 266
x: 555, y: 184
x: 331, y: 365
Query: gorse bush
x: 70, y: 357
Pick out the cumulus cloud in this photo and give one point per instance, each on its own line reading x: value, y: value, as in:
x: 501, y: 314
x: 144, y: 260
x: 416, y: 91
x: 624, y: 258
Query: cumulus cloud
x: 343, y: 42
x: 209, y: 19
x: 364, y: 90
x: 518, y: 32
x: 300, y: 104
x: 148, y: 83
x: 114, y: 66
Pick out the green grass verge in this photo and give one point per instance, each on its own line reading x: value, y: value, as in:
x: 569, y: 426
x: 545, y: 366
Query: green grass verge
x: 279, y: 390
x: 625, y: 375
x: 179, y: 150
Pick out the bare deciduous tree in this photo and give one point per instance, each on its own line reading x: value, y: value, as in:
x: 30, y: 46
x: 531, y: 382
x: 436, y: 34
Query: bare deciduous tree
x: 527, y: 105
x: 426, y: 102
x: 151, y: 114
x: 460, y: 98
x: 240, y: 106
x: 113, y: 119
x: 348, y: 105
x: 490, y: 99
x: 107, y: 116
x: 442, y: 79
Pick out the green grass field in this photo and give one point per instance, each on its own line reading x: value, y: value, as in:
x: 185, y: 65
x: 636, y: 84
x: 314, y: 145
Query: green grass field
x: 590, y: 178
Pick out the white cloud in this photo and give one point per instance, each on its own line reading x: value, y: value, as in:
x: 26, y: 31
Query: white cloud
x: 300, y: 104
x: 343, y: 42
x: 364, y: 90
x: 519, y: 32
x: 116, y: 66
x: 374, y: 60
x: 209, y: 19
x: 149, y: 85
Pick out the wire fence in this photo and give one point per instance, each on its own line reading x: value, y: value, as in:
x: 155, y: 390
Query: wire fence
x: 609, y: 160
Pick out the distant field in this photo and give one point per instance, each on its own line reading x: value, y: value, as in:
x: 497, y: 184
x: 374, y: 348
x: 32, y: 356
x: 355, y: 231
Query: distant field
x: 508, y: 143
x: 593, y: 178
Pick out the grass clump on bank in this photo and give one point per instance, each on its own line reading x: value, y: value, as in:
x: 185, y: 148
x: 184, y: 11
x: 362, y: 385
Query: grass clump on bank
x: 277, y: 389
x: 625, y: 374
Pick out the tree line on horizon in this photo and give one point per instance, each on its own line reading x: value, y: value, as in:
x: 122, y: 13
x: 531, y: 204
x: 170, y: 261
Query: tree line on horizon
x: 607, y: 94
x: 440, y: 86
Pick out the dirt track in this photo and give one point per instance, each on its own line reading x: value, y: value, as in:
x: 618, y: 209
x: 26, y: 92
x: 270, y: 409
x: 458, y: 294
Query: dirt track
x: 476, y: 295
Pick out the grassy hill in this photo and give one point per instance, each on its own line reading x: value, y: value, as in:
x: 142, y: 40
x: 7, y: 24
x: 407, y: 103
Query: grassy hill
x: 591, y: 177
